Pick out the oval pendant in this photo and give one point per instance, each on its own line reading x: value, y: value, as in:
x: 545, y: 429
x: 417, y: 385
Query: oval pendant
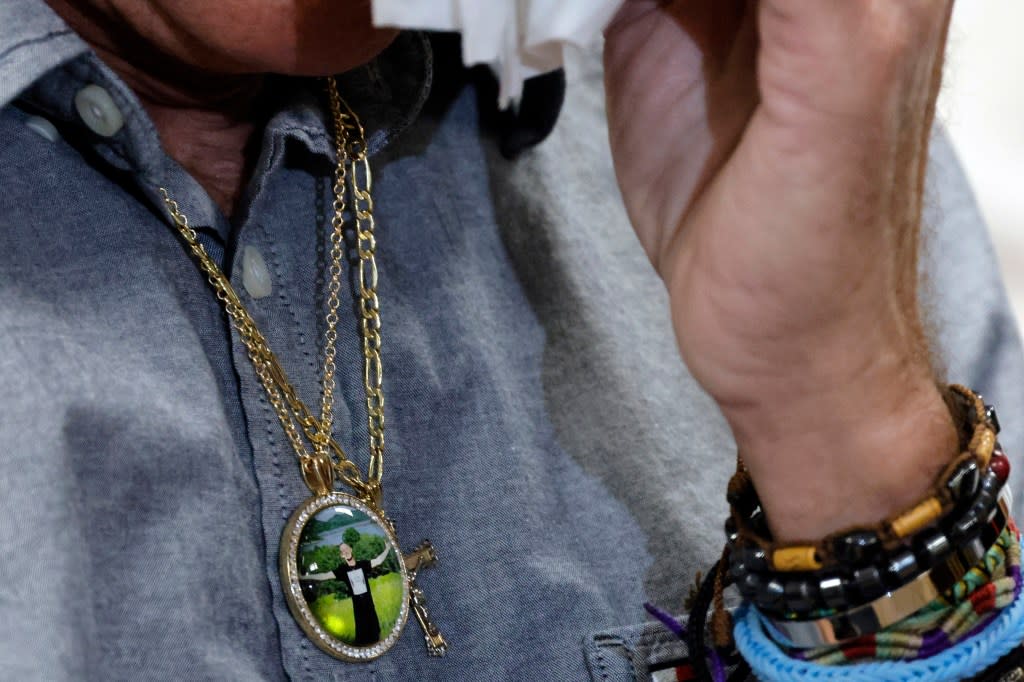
x: 344, y: 577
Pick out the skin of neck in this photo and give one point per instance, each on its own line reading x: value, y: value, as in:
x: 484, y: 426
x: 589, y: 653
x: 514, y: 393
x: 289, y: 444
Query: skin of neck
x: 199, y: 68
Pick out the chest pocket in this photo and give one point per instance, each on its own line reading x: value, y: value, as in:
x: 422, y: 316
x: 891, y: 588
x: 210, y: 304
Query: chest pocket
x: 647, y: 652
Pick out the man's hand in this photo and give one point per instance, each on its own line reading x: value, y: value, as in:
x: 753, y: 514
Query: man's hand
x: 771, y: 155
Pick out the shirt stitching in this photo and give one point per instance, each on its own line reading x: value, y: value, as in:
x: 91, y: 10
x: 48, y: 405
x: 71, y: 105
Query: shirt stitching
x: 599, y: 654
x: 284, y: 298
x: 32, y: 41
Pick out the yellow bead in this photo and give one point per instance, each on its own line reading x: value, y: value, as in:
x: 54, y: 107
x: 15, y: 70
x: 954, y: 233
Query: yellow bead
x: 917, y: 518
x: 795, y: 559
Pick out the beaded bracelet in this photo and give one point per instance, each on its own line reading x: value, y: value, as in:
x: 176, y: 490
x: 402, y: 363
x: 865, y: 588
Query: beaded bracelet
x: 960, y: 662
x: 896, y: 605
x: 957, y: 482
x: 804, y: 595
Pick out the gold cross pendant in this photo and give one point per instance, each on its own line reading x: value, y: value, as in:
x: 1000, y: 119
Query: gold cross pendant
x: 424, y: 556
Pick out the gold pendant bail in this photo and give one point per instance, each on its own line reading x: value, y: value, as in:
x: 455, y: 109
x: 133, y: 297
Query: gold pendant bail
x: 318, y: 473
x: 374, y: 495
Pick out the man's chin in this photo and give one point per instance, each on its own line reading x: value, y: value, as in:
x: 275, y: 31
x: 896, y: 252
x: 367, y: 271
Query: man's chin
x: 318, y: 55
x: 333, y: 57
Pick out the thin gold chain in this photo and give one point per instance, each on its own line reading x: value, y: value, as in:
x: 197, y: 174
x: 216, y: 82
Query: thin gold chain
x: 327, y: 458
x: 337, y: 239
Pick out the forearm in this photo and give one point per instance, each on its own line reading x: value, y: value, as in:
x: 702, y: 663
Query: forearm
x: 782, y: 204
x: 790, y: 254
x: 379, y: 559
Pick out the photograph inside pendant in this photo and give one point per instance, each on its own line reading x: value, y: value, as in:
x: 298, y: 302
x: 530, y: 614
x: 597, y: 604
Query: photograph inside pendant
x: 350, y: 575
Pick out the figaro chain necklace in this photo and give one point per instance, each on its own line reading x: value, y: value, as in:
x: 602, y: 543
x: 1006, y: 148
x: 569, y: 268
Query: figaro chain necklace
x: 344, y: 577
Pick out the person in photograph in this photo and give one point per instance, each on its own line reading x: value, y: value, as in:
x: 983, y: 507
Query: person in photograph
x: 356, y: 576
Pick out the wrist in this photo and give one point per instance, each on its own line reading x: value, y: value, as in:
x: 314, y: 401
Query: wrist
x: 838, y: 455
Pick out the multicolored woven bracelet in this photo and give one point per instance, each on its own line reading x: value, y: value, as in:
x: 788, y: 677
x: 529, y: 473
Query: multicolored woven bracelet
x: 966, y: 658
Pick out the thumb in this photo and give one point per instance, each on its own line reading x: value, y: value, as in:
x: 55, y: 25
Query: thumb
x: 847, y: 57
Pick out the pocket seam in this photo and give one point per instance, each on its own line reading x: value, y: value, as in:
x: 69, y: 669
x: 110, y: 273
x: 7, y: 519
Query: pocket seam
x: 641, y: 644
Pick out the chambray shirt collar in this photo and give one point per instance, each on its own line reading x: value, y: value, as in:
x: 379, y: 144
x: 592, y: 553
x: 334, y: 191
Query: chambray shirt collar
x: 44, y: 64
x: 33, y: 40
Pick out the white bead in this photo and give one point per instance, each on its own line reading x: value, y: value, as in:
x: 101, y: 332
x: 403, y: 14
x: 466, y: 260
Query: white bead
x: 98, y: 111
x: 255, y: 274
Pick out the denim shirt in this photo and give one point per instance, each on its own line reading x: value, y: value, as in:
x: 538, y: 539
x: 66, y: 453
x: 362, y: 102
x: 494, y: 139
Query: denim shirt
x: 541, y: 429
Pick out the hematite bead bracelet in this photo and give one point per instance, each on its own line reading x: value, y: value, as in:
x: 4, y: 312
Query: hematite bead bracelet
x: 894, y: 606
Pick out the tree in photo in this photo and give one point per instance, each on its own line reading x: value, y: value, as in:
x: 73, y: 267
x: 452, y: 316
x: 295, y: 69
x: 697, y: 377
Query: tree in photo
x: 351, y: 537
x: 323, y: 558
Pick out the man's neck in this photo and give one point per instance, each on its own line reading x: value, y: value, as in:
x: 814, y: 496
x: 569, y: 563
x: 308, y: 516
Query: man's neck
x: 206, y: 121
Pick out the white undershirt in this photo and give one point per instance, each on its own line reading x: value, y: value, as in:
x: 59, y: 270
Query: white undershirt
x: 357, y: 579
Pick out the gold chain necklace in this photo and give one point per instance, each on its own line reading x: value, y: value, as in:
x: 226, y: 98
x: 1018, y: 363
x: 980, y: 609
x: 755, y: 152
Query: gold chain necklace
x: 344, y: 577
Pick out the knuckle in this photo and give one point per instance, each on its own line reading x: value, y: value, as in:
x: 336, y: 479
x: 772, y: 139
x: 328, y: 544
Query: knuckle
x: 890, y: 29
x: 900, y: 27
x: 896, y: 35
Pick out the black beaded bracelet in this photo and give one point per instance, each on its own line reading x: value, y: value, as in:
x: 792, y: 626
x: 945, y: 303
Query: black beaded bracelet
x: 894, y: 606
x: 871, y: 571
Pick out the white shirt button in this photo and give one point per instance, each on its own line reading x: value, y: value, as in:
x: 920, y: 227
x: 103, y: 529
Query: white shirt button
x: 98, y: 111
x: 45, y: 129
x: 255, y: 274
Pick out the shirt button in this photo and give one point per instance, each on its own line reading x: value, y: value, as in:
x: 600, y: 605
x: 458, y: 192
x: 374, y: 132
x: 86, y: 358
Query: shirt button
x: 43, y: 127
x: 98, y: 111
x: 255, y: 275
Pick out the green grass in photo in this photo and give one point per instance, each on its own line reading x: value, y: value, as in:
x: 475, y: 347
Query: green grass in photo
x: 335, y: 615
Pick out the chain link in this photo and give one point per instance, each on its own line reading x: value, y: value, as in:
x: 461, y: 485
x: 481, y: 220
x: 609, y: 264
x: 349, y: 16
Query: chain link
x: 327, y: 459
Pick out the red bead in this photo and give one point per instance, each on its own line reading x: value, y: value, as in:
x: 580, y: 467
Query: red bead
x: 1000, y: 465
